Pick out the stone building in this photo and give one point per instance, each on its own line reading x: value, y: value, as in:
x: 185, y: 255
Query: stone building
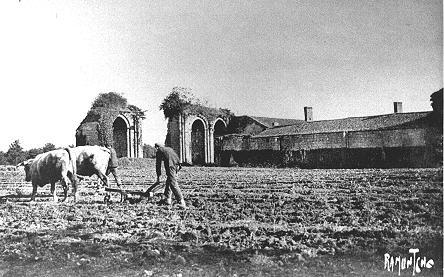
x: 194, y: 133
x: 117, y: 127
x: 390, y: 140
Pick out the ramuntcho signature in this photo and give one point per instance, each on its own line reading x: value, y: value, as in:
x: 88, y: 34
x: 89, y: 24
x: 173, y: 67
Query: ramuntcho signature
x: 402, y: 263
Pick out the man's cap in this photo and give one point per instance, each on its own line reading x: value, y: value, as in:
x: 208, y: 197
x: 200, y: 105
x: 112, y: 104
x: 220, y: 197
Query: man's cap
x: 156, y: 145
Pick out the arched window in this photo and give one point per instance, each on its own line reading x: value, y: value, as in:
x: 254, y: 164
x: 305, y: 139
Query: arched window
x: 198, y: 142
x: 219, y: 131
x: 120, y: 137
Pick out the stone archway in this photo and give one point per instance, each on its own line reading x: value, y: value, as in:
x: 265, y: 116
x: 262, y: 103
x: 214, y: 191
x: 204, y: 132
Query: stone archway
x: 120, y: 137
x: 198, y: 142
x: 220, y: 129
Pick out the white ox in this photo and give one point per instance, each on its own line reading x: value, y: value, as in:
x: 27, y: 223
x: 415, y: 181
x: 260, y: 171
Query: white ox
x: 91, y: 160
x: 64, y: 165
x: 50, y: 167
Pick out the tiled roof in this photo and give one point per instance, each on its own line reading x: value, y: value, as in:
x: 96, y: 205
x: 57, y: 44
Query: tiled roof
x: 378, y: 122
x: 272, y: 122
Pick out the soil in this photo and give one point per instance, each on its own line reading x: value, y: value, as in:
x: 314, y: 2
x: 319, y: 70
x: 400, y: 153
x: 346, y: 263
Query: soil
x: 240, y: 222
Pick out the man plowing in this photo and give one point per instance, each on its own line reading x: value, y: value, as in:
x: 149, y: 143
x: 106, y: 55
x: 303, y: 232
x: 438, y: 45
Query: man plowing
x: 171, y: 163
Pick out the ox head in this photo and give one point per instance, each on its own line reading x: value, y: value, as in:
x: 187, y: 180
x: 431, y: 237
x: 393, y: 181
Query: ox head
x: 27, y: 165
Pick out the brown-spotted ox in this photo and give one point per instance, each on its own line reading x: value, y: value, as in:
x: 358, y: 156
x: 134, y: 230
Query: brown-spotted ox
x: 50, y: 167
x: 92, y: 160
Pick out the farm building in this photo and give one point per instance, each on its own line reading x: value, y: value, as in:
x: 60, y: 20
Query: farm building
x: 119, y: 127
x: 206, y: 136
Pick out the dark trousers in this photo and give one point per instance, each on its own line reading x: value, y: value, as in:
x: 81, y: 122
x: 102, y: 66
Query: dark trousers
x: 171, y: 185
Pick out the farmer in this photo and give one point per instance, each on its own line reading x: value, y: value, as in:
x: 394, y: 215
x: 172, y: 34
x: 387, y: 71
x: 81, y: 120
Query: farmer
x: 113, y: 164
x: 172, y: 166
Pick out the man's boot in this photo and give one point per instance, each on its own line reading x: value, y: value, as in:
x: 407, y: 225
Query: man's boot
x: 165, y: 201
x: 182, y: 204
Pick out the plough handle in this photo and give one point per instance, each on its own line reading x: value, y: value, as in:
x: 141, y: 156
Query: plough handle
x: 152, y: 187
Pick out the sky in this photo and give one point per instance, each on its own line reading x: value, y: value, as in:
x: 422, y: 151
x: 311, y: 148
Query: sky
x: 262, y: 58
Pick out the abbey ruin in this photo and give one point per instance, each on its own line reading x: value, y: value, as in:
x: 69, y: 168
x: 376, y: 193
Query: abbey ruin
x: 118, y: 126
x: 202, y: 135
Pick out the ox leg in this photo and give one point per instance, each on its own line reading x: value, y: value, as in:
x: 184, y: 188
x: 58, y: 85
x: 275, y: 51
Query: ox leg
x: 53, y: 192
x: 104, y: 179
x: 65, y: 182
x: 123, y: 194
x: 73, y: 180
x: 75, y: 192
x: 34, y: 191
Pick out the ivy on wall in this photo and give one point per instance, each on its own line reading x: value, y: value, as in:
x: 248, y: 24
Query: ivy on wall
x: 105, y: 109
x: 182, y: 101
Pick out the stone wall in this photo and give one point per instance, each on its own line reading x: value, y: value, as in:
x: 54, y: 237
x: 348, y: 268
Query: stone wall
x: 355, y: 139
x: 98, y: 128
x: 180, y: 136
x: 379, y: 148
x: 173, y: 134
x: 88, y: 134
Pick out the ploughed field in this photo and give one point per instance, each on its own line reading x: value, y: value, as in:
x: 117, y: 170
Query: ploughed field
x: 240, y: 222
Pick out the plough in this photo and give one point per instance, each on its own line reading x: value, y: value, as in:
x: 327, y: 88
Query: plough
x: 149, y: 193
x: 125, y: 194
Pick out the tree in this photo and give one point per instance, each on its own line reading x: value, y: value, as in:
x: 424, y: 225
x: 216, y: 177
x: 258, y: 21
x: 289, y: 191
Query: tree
x: 175, y: 102
x: 109, y: 100
x: 31, y: 153
x: 15, y: 153
x: 3, y: 158
x: 137, y: 111
x: 48, y: 147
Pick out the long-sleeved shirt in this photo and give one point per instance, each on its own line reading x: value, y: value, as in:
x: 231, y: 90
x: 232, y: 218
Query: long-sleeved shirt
x: 170, y: 160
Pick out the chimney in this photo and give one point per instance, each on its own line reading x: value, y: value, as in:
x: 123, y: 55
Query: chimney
x: 308, y: 113
x: 397, y: 107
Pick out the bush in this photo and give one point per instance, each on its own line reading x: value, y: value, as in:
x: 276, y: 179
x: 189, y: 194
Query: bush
x: 175, y: 103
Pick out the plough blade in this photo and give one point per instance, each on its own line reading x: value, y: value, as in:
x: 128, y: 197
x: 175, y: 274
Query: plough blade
x: 148, y: 193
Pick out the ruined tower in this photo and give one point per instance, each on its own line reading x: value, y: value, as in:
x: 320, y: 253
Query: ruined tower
x: 118, y: 126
